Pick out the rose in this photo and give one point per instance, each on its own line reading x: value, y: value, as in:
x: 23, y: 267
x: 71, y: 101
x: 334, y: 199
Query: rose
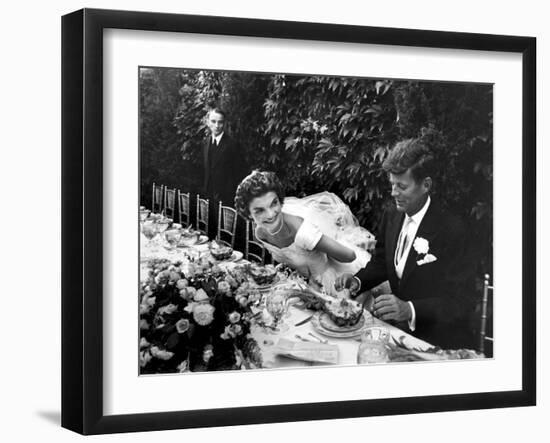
x: 421, y: 245
x: 143, y: 343
x: 150, y: 287
x: 144, y: 309
x: 182, y: 325
x: 168, y: 309
x: 223, y: 287
x: 203, y: 314
x: 144, y: 358
x: 174, y: 276
x: 161, y: 354
x: 182, y: 283
x: 231, y: 331
x: 162, y: 277
x: 200, y: 295
x: 143, y: 324
x: 234, y: 317
x: 191, y: 291
x: 149, y: 301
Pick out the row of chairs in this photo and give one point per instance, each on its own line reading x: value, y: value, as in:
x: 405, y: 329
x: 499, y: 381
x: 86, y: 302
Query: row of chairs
x: 177, y: 205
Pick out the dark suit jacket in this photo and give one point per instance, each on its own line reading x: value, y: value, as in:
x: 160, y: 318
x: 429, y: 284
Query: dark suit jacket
x: 223, y: 168
x: 441, y: 291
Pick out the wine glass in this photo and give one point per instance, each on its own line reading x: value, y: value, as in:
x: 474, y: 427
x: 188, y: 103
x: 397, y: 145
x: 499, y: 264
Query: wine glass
x: 172, y: 237
x: 276, y: 304
x: 163, y: 224
x: 373, y: 346
x: 149, y: 230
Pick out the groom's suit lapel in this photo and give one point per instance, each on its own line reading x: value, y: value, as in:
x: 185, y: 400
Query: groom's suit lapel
x: 428, y: 229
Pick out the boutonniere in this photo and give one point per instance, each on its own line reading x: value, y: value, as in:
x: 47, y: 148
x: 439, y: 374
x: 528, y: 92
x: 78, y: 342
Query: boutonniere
x: 422, y: 247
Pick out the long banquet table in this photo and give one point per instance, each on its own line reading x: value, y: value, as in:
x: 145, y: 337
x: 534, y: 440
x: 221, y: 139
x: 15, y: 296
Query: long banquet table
x: 298, y: 331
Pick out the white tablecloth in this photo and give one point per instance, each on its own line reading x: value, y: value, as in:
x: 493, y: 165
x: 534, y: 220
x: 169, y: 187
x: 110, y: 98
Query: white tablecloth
x: 347, y: 347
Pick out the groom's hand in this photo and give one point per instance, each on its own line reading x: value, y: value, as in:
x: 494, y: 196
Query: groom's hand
x: 389, y: 307
x: 346, y: 281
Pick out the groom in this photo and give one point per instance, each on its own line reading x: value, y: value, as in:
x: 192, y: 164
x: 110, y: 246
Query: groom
x: 421, y: 250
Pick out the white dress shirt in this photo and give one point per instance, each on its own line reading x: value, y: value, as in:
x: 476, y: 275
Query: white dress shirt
x: 217, y: 139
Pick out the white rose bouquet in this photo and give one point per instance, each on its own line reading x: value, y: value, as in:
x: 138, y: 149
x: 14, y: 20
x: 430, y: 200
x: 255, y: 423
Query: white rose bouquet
x: 195, y: 319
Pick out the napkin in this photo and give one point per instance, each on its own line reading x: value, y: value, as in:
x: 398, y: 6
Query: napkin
x: 306, y: 351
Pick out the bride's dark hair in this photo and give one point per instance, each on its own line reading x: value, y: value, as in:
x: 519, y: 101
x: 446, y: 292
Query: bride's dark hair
x: 256, y: 184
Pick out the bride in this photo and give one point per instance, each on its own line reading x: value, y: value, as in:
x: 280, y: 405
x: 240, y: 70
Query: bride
x: 316, y: 235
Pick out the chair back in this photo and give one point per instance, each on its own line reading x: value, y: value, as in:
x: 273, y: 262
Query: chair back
x: 184, y: 208
x: 157, y: 200
x: 485, y: 335
x: 202, y: 214
x: 170, y: 202
x: 254, y: 249
x: 227, y: 225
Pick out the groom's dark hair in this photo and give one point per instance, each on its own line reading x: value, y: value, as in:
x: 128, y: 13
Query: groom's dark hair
x: 411, y: 154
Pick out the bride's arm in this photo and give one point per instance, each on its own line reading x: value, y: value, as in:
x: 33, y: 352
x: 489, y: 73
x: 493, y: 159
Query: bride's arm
x: 335, y: 250
x: 310, y: 237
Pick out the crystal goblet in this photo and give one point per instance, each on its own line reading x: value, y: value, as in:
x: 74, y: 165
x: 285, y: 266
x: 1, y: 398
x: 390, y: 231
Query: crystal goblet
x: 276, y: 304
x: 163, y: 224
x: 172, y: 237
x: 149, y: 230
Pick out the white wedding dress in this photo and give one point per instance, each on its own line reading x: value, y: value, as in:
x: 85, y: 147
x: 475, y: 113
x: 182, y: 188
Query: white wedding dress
x: 323, y: 213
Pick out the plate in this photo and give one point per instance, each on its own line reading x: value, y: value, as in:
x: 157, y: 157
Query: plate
x: 327, y: 327
x: 235, y: 256
x: 326, y: 322
x: 201, y: 241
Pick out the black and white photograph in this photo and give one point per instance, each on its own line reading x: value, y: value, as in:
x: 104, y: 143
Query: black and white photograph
x: 304, y: 220
x: 271, y: 222
x: 312, y: 218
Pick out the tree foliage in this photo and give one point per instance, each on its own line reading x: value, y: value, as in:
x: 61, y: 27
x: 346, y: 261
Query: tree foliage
x: 324, y: 133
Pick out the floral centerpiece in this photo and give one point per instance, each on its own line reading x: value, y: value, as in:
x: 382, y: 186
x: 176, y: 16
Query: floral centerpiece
x: 196, y: 317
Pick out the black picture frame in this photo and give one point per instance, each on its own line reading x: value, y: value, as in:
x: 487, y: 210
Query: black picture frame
x: 82, y: 218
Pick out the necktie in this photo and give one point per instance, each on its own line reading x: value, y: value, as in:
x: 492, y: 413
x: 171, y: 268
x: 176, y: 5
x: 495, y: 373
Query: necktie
x: 403, y: 241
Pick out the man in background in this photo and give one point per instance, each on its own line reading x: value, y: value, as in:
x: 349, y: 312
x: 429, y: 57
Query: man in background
x: 224, y: 166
